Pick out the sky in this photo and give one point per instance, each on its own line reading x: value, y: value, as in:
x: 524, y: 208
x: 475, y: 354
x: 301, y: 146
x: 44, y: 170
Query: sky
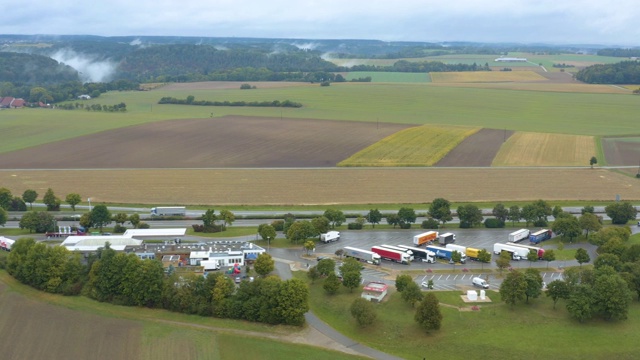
x: 521, y: 21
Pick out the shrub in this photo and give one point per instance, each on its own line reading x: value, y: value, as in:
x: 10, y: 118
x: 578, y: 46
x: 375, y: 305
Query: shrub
x: 540, y: 223
x: 493, y: 223
x: 354, y: 226
x: 144, y: 225
x: 405, y: 225
x: 278, y: 225
x: 325, y: 83
x: 245, y: 86
x: 430, y: 223
x: 119, y: 229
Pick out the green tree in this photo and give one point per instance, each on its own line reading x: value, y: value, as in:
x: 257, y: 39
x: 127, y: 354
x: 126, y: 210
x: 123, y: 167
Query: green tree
x: 402, y: 281
x: 393, y: 219
x: 440, y: 209
x: 331, y: 284
x: 407, y: 215
x: 484, y: 257
x: 351, y: 279
x: 134, y: 219
x: 120, y: 218
x: 326, y: 267
x: 428, y: 314
x: 363, y: 311
x: 528, y: 214
x: 593, y: 161
x: 4, y: 216
x: 267, y: 232
x: 37, y: 221
x: 513, y: 288
x: 549, y: 256
x: 50, y: 199
x: 412, y: 294
x: 514, y: 214
x: 100, y: 216
x: 500, y: 212
x: 503, y: 261
x: 589, y: 222
x: 532, y: 256
x: 299, y: 231
x: 292, y: 302
x: 580, y: 304
x: 470, y: 215
x: 73, y: 199
x: 456, y: 257
x: 612, y: 296
x: 309, y: 245
x: 29, y: 196
x: 350, y: 265
x: 374, y: 216
x: 632, y: 276
x: 558, y: 289
x: 320, y: 224
x: 608, y: 260
x: 534, y: 283
x: 264, y: 264
x: 85, y: 221
x: 542, y: 210
x: 621, y: 212
x: 209, y: 218
x: 227, y: 217
x: 608, y: 233
x: 313, y: 274
x: 336, y: 217
x: 587, y: 209
x: 567, y: 227
x: 339, y: 253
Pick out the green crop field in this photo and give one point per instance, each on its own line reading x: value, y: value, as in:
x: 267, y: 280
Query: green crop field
x: 390, y: 77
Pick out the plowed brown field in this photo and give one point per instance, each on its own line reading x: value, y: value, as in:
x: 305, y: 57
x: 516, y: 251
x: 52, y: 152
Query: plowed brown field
x: 478, y: 149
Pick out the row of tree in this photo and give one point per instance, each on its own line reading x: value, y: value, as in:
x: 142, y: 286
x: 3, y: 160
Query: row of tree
x: 121, y: 107
x: 125, y: 279
x: 190, y: 100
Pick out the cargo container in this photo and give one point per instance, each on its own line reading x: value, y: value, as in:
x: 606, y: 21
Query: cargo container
x: 362, y: 255
x: 391, y: 255
x: 519, y: 235
x: 425, y: 238
x: 540, y: 236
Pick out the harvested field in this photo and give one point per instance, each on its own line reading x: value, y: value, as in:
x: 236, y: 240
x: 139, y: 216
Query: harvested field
x: 622, y: 151
x: 220, y: 85
x: 231, y: 141
x: 35, y: 330
x: 486, y: 76
x: 418, y: 146
x: 478, y: 149
x: 539, y: 149
x: 326, y: 186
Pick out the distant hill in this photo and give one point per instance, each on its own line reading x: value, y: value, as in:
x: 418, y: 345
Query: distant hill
x: 31, y: 69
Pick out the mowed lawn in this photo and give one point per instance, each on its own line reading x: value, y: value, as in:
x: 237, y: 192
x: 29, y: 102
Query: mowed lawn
x: 486, y: 76
x: 417, y: 146
x: 537, y: 149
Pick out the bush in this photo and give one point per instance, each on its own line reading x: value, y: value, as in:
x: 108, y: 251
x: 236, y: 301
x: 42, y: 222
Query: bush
x: 325, y: 83
x: 540, y: 223
x: 245, y: 86
x: 144, y: 225
x: 354, y: 226
x: 119, y: 229
x: 278, y: 225
x: 405, y: 225
x: 430, y: 223
x: 493, y: 223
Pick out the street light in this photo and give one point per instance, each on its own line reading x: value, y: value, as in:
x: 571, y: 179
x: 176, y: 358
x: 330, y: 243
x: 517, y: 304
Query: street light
x: 89, y: 200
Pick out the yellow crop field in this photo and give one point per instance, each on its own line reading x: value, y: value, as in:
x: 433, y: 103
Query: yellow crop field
x: 417, y: 146
x: 540, y: 149
x: 486, y: 76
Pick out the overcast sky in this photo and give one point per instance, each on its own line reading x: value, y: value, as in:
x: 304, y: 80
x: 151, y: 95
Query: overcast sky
x: 524, y: 21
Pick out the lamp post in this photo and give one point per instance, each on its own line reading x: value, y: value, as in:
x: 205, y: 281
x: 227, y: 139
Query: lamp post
x: 89, y: 200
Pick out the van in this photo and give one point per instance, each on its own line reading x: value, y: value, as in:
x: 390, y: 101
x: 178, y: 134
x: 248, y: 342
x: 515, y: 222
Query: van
x: 480, y: 282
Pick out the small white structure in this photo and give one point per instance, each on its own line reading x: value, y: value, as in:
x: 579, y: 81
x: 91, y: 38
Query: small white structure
x: 173, y: 232
x: 472, y: 295
x: 84, y: 97
x: 375, y: 291
x: 6, y: 243
x: 483, y: 295
x: 510, y: 59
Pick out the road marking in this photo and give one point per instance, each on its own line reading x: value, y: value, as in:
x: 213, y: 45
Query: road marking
x: 448, y: 277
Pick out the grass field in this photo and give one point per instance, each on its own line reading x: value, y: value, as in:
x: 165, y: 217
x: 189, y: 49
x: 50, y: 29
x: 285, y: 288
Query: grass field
x: 536, y: 149
x: 486, y: 76
x: 417, y: 146
x: 390, y: 77
x: 496, y: 331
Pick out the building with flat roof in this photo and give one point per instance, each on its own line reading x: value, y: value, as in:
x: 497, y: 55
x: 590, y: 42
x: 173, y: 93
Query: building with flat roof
x: 226, y: 253
x: 375, y: 291
x: 93, y: 243
x: 510, y: 59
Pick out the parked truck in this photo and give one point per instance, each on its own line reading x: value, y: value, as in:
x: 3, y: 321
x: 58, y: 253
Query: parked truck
x: 473, y: 254
x: 447, y: 254
x: 330, y: 236
x: 540, y: 236
x: 425, y: 238
x: 169, y: 211
x: 446, y: 238
x: 422, y: 254
x: 6, y: 243
x: 391, y: 255
x: 519, y: 235
x: 538, y: 250
x: 362, y: 255
x: 467, y: 252
x: 405, y: 250
x: 517, y: 252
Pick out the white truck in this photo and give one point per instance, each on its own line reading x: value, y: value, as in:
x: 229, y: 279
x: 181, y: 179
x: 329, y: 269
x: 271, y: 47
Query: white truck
x: 517, y: 252
x: 6, y: 243
x: 169, y: 211
x: 446, y: 238
x: 330, y: 236
x: 519, y: 235
x: 362, y: 255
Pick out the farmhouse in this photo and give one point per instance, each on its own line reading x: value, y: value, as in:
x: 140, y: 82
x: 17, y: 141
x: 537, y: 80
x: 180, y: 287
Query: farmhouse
x: 226, y: 253
x: 510, y: 59
x: 11, y: 102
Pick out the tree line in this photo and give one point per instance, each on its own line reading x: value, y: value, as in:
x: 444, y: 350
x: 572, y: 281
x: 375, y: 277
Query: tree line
x: 619, y: 52
x: 190, y: 100
x: 624, y: 72
x: 125, y: 279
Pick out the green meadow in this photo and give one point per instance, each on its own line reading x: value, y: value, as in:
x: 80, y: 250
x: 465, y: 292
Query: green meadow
x: 390, y: 77
x: 535, y: 111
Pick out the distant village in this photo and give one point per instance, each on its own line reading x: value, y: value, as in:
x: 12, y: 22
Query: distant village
x: 9, y: 102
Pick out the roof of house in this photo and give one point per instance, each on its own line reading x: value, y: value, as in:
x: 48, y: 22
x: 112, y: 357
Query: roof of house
x: 6, y: 101
x: 17, y: 103
x: 155, y: 232
x: 375, y: 286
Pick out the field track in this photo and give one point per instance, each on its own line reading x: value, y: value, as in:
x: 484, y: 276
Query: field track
x: 326, y: 186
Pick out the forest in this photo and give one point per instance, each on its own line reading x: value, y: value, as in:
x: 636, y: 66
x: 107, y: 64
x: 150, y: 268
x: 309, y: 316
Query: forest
x: 625, y: 72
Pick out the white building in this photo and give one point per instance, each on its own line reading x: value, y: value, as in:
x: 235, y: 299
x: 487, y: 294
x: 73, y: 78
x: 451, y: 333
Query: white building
x: 375, y: 291
x: 510, y: 59
x: 172, y: 232
x: 226, y: 253
x: 93, y: 243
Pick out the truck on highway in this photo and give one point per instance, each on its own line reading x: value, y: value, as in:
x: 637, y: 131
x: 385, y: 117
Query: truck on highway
x: 392, y: 247
x: 446, y: 238
x: 538, y: 250
x: 391, y: 255
x: 473, y: 253
x: 425, y: 238
x: 362, y: 255
x: 540, y: 236
x: 519, y: 235
x: 330, y: 236
x: 6, y: 243
x: 422, y: 254
x: 169, y: 211
x: 517, y: 252
x: 65, y: 231
x: 447, y: 254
